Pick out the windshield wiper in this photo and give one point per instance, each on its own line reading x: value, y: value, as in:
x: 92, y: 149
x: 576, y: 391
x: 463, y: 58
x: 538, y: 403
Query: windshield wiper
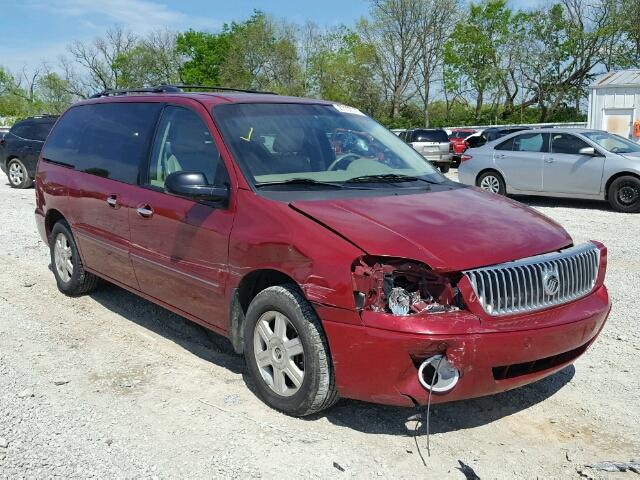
x: 306, y: 181
x: 388, y: 177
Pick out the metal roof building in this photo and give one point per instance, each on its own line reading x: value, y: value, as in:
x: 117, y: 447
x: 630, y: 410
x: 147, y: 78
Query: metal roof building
x: 614, y: 103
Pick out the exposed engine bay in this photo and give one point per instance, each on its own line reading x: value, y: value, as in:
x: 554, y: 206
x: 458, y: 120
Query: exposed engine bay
x: 402, y: 287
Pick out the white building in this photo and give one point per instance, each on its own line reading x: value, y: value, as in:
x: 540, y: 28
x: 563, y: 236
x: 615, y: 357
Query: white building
x: 614, y: 103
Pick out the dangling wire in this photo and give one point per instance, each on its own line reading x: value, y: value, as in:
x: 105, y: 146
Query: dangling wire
x: 415, y: 430
x: 433, y: 380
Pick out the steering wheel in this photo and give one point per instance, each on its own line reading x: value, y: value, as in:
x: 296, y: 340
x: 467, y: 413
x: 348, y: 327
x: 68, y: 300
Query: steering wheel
x: 343, y: 162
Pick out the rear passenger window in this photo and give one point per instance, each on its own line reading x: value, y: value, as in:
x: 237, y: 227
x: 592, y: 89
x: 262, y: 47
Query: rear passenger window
x: 109, y: 140
x: 183, y: 143
x: 40, y: 131
x: 506, y: 145
x: 530, y: 142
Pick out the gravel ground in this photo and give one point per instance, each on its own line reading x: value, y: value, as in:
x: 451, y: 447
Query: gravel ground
x: 112, y: 386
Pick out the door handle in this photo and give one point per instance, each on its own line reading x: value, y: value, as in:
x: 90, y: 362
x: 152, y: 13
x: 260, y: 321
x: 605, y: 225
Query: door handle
x: 112, y: 201
x: 145, y: 211
x: 500, y: 155
x: 549, y: 160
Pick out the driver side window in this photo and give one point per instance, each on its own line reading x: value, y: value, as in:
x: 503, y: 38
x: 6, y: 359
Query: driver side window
x: 183, y: 143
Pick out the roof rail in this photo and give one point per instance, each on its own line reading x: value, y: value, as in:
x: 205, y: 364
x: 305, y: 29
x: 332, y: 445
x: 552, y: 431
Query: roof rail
x: 221, y: 89
x: 159, y: 89
x: 174, y: 89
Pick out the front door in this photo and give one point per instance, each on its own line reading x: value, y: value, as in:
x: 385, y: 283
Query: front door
x: 520, y: 158
x: 567, y: 171
x: 179, y: 247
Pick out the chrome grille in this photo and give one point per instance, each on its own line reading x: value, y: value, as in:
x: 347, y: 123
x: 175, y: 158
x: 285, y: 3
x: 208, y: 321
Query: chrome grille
x: 536, y: 283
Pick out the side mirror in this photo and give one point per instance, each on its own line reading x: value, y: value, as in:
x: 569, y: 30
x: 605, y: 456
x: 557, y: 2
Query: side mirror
x: 587, y: 151
x: 194, y: 185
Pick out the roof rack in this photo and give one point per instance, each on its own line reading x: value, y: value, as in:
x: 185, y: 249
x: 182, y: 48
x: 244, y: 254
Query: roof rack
x: 160, y: 89
x: 221, y: 89
x: 174, y: 89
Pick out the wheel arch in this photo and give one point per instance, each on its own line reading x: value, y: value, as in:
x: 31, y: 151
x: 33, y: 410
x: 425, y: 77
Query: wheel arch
x: 489, y: 169
x: 250, y: 285
x: 52, y: 217
x: 9, y: 158
x: 615, y: 176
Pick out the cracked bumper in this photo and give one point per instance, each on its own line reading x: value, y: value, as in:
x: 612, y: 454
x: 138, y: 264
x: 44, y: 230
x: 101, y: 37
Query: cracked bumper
x: 376, y: 357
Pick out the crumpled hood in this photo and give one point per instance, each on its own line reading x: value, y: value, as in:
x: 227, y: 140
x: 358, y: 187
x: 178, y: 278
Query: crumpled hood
x: 449, y: 230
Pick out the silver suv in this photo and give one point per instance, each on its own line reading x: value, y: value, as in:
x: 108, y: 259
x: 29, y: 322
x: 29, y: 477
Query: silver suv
x: 433, y: 144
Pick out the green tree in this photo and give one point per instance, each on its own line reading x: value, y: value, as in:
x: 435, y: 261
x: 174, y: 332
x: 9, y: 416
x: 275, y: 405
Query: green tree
x: 262, y: 55
x: 569, y: 44
x: 341, y: 68
x: 471, y: 54
x: 204, y: 53
x: 54, y: 93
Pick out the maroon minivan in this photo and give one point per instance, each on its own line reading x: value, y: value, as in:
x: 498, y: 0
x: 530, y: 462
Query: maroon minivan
x: 318, y: 242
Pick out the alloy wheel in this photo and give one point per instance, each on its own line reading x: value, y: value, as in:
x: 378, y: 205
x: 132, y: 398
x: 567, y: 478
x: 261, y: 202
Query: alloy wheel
x: 279, y: 353
x: 63, y: 257
x: 490, y: 184
x: 16, y: 173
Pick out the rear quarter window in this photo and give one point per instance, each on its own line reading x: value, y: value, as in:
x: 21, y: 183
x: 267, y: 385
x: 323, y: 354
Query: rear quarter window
x: 110, y: 140
x: 21, y: 129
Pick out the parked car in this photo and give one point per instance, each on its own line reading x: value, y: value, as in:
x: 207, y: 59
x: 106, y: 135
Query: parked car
x: 491, y: 134
x: 433, y: 144
x: 21, y: 147
x: 458, y: 139
x: 333, y: 273
x: 576, y: 163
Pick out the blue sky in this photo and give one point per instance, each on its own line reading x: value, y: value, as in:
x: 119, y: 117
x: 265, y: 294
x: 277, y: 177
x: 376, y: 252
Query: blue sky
x: 37, y: 30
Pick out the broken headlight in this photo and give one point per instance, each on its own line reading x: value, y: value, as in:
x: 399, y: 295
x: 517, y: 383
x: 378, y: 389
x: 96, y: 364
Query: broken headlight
x: 403, y: 287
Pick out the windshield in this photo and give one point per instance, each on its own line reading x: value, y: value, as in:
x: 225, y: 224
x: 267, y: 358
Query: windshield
x: 612, y: 143
x: 320, y: 145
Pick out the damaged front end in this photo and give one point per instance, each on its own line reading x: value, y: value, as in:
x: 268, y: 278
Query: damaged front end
x: 403, y: 287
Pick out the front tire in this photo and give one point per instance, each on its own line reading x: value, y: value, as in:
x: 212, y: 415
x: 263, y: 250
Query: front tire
x: 444, y: 167
x: 287, y: 353
x: 624, y: 194
x: 493, y: 182
x: 71, y: 277
x: 18, y: 175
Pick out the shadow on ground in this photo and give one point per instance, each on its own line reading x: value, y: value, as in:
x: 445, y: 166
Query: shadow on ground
x: 189, y: 335
x: 360, y: 416
x: 446, y: 417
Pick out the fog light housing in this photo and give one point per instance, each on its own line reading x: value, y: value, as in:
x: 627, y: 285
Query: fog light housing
x: 446, y: 375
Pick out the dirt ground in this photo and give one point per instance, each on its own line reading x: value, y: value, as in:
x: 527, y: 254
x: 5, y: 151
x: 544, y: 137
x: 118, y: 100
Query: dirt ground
x: 112, y: 386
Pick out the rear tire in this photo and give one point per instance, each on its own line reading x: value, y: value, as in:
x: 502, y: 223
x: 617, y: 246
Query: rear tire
x: 287, y: 353
x: 624, y: 194
x: 71, y: 277
x: 18, y: 175
x: 493, y: 182
x: 444, y: 167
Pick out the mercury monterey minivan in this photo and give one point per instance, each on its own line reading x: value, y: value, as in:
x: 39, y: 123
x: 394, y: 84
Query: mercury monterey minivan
x: 318, y: 242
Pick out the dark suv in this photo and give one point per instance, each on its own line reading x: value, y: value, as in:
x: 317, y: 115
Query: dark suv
x: 20, y: 148
x: 319, y: 243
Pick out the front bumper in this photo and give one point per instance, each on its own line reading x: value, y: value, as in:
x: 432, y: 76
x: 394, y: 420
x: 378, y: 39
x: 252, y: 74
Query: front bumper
x: 376, y: 361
